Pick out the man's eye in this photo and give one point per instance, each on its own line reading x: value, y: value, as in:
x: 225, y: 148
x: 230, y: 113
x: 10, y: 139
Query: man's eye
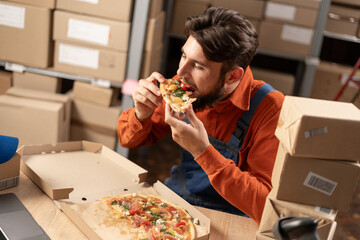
x: 198, y: 67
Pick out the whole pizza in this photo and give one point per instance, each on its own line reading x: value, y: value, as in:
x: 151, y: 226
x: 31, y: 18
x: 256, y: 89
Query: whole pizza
x: 153, y: 217
x: 176, y: 94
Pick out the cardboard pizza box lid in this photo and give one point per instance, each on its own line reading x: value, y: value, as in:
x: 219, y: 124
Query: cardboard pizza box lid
x: 93, y: 220
x: 78, y: 171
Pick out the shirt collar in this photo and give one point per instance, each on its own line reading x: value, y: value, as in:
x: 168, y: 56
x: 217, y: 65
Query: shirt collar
x: 242, y: 94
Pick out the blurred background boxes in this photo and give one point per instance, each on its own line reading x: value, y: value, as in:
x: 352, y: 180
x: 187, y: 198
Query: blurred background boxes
x: 91, y: 30
x: 283, y: 82
x: 28, y: 34
x: 35, y: 117
x: 36, y: 82
x: 93, y: 122
x: 343, y: 20
x: 5, y: 81
x: 90, y: 61
x: 40, y: 3
x: 290, y: 13
x: 328, y: 80
x: 114, y: 9
x: 98, y: 95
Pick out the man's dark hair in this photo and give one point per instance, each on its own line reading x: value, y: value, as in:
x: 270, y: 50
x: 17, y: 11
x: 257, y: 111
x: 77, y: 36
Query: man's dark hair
x: 225, y: 36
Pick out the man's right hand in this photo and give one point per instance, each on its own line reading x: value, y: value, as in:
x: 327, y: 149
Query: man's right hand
x: 147, y: 96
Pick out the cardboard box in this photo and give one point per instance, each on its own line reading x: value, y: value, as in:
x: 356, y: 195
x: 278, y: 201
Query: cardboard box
x: 9, y: 172
x: 282, y: 82
x: 35, y: 117
x: 40, y: 3
x: 155, y: 32
x: 90, y: 61
x: 284, y: 12
x: 27, y: 30
x: 151, y: 62
x: 286, y: 38
x: 343, y: 20
x: 275, y: 209
x: 95, y: 94
x: 37, y: 82
x: 348, y: 2
x: 5, y: 81
x: 248, y: 8
x: 313, y: 4
x: 114, y: 9
x: 260, y: 236
x: 155, y: 8
x: 95, y: 123
x: 182, y: 9
x: 109, y: 174
x: 328, y: 80
x: 319, y: 128
x: 94, y: 31
x: 318, y: 182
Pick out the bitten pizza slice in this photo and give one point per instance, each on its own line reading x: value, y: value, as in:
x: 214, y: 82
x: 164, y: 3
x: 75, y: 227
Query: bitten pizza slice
x: 176, y: 94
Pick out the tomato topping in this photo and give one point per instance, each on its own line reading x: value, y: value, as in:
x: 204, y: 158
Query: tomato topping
x: 170, y: 208
x: 180, y: 224
x: 134, y: 211
x: 183, y: 86
x: 145, y: 222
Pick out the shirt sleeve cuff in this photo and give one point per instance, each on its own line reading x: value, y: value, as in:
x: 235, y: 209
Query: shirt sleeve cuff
x: 211, y: 160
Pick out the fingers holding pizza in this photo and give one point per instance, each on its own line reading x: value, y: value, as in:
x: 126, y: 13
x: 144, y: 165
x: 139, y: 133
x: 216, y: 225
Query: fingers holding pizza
x: 147, y: 96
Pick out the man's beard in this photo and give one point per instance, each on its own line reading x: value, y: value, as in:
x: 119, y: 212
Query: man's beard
x: 212, y: 98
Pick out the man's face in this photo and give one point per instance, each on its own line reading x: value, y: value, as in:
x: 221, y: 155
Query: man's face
x: 196, y: 71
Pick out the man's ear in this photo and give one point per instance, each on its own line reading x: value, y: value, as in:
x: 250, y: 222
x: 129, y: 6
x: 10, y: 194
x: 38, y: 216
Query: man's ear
x: 234, y: 74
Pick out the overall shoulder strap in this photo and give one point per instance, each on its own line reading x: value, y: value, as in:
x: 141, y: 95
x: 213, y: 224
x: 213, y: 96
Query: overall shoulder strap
x: 243, y: 123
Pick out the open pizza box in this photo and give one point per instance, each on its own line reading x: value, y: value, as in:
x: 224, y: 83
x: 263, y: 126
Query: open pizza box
x: 76, y: 175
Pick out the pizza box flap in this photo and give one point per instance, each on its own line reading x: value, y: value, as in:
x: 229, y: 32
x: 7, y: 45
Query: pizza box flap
x: 78, y: 170
x: 94, y: 221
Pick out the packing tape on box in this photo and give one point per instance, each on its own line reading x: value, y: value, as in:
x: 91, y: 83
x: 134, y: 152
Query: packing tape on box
x: 8, y: 147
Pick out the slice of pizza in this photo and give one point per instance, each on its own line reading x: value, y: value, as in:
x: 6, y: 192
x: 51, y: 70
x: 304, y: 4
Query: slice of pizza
x: 176, y: 94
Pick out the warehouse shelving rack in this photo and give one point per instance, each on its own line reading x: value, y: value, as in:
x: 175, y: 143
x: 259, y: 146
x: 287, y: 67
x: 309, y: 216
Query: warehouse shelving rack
x: 306, y: 66
x: 136, y: 45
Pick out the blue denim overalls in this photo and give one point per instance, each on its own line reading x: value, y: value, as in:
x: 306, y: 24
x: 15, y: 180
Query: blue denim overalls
x: 190, y: 181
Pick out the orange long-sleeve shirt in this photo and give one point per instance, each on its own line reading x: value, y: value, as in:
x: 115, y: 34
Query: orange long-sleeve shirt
x: 246, y: 185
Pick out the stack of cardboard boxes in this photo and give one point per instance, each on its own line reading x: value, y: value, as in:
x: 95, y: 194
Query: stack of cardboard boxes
x: 94, y: 114
x: 92, y: 39
x: 25, y: 27
x: 317, y: 164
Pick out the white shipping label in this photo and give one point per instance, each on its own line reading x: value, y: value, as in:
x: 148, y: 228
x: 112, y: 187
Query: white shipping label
x: 280, y: 11
x: 296, y: 34
x: 88, y: 31
x: 12, y: 16
x: 89, y: 1
x: 315, y: 132
x: 327, y: 211
x: 79, y: 56
x: 320, y: 183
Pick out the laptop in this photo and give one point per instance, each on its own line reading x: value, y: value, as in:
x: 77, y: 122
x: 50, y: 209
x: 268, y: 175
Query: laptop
x: 16, y: 223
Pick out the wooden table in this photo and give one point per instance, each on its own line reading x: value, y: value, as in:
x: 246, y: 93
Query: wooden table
x: 58, y: 226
